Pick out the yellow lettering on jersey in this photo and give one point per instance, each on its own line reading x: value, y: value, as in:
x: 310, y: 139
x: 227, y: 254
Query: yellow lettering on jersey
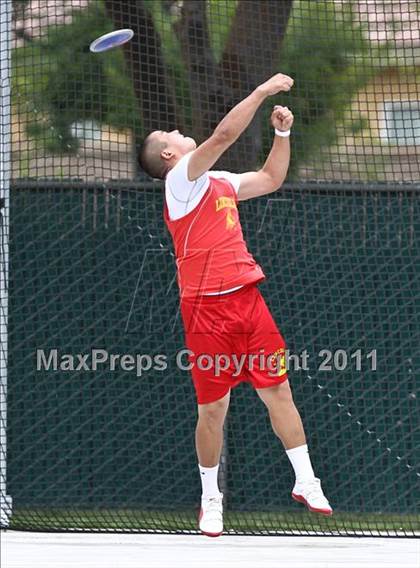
x: 222, y: 202
x: 230, y: 220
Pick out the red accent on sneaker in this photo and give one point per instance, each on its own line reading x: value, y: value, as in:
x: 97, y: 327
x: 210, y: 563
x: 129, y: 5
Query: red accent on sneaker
x: 301, y: 499
x: 204, y: 532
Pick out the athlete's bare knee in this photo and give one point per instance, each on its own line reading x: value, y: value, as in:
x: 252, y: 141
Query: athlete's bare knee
x: 284, y: 392
x: 212, y: 415
x: 278, y: 395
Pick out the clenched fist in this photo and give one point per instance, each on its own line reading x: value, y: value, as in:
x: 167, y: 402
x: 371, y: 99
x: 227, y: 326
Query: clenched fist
x: 276, y: 84
x: 282, y: 118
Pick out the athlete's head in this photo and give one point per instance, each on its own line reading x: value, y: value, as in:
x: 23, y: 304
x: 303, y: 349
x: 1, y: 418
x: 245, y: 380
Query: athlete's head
x: 161, y: 150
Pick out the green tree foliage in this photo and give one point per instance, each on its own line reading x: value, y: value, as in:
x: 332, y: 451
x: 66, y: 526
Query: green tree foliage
x: 59, y: 82
x: 321, y: 46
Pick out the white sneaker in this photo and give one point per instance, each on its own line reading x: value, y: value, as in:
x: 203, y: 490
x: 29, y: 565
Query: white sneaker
x: 310, y: 494
x: 210, y: 520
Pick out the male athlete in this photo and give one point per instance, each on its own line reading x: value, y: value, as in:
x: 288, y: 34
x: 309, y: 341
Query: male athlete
x: 223, y: 311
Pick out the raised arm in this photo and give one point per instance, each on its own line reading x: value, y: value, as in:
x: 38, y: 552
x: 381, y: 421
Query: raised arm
x: 233, y: 124
x: 273, y: 173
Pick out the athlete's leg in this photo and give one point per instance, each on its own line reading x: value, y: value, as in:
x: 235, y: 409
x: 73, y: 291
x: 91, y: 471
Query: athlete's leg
x: 209, y: 431
x: 287, y: 425
x: 284, y: 416
x: 209, y: 443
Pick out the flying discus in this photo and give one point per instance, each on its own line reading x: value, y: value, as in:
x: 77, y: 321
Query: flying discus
x: 111, y: 40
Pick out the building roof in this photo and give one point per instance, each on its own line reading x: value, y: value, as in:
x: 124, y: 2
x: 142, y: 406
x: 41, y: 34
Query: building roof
x: 395, y: 21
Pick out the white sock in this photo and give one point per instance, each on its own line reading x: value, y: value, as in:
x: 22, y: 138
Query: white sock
x: 301, y: 462
x: 209, y: 481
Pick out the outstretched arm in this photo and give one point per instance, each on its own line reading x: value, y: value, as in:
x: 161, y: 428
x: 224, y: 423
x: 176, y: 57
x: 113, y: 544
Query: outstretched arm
x: 273, y: 173
x: 233, y: 124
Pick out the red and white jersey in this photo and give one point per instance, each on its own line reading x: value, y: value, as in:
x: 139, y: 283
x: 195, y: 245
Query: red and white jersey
x: 202, y: 217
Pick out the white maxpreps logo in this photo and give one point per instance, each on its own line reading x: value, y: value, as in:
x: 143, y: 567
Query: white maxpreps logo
x: 276, y: 364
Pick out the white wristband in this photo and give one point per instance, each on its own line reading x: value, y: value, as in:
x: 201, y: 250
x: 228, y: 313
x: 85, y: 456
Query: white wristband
x: 282, y: 133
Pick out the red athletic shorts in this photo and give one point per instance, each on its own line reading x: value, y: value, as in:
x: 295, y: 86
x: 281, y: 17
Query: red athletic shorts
x: 222, y: 332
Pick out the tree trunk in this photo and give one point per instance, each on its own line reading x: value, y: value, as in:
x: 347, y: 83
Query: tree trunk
x: 252, y: 55
x: 144, y: 59
x: 209, y: 96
